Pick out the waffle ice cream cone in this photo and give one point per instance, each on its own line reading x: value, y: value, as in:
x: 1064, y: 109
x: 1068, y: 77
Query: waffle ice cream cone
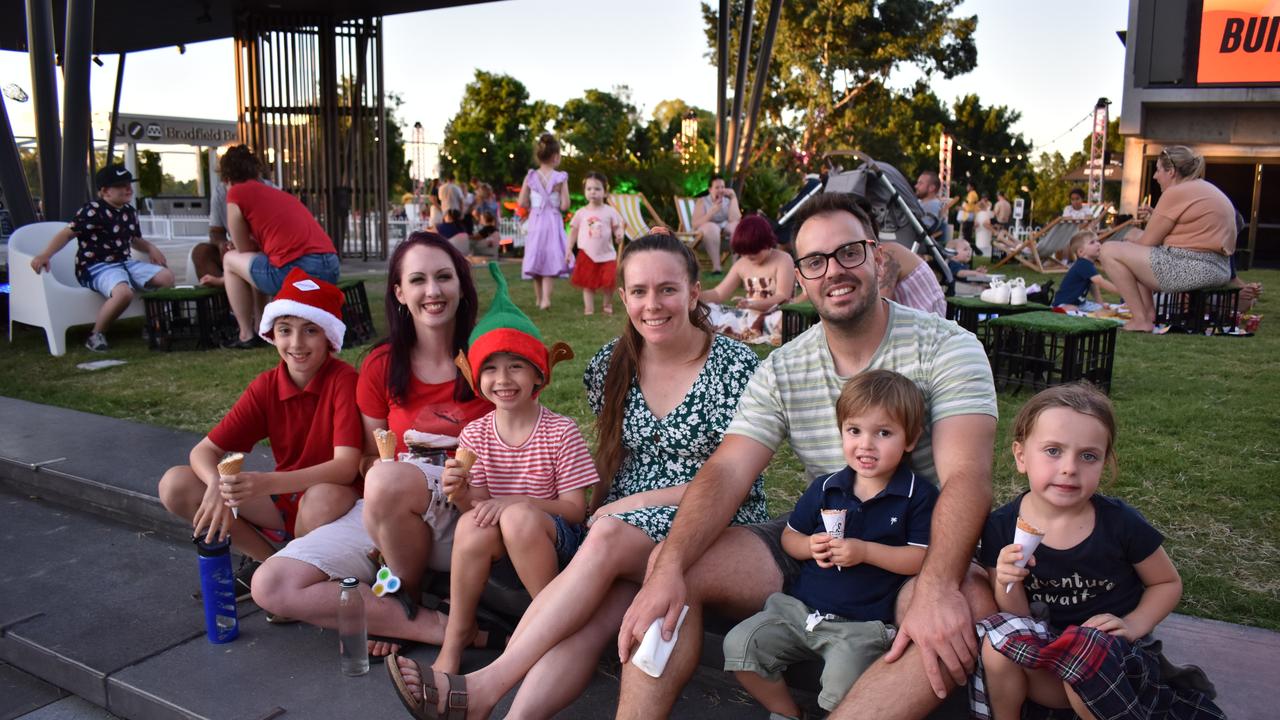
x: 386, y: 441
x: 228, y: 466
x: 467, y: 458
x: 1029, y: 537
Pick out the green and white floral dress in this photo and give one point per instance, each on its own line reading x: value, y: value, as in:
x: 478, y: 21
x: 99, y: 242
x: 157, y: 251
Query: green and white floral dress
x: 666, y: 452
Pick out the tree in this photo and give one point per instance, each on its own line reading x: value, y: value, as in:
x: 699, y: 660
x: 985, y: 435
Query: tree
x: 828, y: 53
x: 490, y: 137
x: 597, y: 124
x: 399, y: 179
x: 150, y: 176
x: 1050, y: 191
x: 990, y: 158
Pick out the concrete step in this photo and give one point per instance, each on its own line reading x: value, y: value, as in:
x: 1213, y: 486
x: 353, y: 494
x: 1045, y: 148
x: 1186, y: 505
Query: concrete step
x: 104, y: 611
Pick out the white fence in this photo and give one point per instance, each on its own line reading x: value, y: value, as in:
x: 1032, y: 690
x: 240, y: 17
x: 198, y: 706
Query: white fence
x: 176, y: 234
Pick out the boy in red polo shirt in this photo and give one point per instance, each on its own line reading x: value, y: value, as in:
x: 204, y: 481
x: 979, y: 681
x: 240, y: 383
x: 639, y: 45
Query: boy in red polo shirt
x: 306, y: 407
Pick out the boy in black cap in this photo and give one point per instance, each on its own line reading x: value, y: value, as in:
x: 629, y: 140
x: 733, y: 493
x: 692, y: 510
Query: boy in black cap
x: 105, y: 229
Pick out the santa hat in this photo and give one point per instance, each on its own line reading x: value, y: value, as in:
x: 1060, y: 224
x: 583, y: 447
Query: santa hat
x: 505, y: 328
x: 313, y: 300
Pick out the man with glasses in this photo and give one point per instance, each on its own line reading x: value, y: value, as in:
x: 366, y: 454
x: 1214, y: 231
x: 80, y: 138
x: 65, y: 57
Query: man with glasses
x: 792, y: 397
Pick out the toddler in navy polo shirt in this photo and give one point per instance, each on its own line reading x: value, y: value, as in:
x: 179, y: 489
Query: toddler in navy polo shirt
x: 840, y: 608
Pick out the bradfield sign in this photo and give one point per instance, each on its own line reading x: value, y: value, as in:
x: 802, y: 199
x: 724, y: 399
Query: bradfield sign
x: 1239, y: 42
x: 156, y: 129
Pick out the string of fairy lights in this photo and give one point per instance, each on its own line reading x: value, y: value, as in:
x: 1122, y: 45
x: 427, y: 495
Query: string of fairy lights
x: 995, y: 158
x: 982, y: 155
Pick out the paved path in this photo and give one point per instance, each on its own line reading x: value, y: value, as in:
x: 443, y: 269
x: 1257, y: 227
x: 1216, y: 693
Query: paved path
x: 97, y: 609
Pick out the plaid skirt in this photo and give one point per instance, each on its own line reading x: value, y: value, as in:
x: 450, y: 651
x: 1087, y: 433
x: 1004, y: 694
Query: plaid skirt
x: 1116, y: 679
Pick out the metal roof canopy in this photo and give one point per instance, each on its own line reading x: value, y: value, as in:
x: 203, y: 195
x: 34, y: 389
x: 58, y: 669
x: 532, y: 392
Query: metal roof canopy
x: 134, y: 25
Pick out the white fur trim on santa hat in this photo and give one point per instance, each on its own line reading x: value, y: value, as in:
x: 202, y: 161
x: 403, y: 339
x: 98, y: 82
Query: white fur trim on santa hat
x: 333, y: 327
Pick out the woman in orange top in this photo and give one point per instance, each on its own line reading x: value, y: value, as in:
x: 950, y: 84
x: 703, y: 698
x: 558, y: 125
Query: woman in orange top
x: 1187, y: 242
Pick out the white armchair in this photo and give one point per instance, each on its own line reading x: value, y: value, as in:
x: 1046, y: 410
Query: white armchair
x: 52, y: 300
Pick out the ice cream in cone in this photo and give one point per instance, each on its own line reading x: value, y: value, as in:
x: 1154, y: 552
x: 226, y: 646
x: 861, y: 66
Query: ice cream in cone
x: 231, y: 464
x: 228, y: 466
x: 466, y: 458
x: 1028, y: 536
x: 386, y: 441
x: 833, y: 520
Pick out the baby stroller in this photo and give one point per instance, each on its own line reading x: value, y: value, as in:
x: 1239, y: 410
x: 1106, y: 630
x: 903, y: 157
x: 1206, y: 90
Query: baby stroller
x: 891, y: 198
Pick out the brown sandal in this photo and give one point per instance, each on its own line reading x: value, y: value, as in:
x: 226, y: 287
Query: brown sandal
x: 426, y: 707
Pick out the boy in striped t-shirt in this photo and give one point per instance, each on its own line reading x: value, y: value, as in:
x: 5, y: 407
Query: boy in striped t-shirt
x: 525, y: 495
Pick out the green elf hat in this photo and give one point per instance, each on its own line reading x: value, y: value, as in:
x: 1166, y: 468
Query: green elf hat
x: 505, y: 328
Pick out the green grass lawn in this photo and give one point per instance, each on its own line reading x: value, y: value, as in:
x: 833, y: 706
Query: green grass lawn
x: 1198, y: 426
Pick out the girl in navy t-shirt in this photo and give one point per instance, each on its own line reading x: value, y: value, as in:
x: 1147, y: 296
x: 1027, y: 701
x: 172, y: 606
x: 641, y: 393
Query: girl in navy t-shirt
x: 1099, y: 566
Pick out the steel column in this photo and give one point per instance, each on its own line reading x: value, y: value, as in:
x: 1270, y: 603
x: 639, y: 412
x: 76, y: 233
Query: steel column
x: 757, y: 90
x: 722, y: 82
x: 13, y: 181
x: 76, y: 130
x: 115, y: 111
x: 740, y: 79
x: 44, y: 91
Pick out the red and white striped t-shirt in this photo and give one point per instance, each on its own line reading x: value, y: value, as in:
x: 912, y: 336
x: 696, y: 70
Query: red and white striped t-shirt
x: 552, y: 461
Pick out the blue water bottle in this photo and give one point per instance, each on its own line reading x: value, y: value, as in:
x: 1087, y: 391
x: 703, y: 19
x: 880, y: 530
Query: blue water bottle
x: 217, y: 587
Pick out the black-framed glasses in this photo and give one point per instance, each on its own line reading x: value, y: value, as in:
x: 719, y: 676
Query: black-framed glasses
x: 849, y: 255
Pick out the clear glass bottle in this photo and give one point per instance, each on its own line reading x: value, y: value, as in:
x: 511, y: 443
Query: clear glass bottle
x: 353, y: 635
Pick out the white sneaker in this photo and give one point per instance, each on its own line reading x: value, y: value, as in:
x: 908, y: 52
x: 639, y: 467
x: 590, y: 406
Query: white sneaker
x: 97, y: 342
x: 997, y: 294
x: 1018, y: 292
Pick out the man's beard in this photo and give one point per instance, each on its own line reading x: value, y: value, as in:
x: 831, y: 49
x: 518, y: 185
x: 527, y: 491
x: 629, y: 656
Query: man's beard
x: 851, y: 316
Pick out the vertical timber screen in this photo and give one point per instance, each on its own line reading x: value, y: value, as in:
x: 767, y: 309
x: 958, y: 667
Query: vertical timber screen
x: 310, y: 103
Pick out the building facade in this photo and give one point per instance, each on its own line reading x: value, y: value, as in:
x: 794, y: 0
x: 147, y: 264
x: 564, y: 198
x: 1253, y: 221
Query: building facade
x: 1206, y: 73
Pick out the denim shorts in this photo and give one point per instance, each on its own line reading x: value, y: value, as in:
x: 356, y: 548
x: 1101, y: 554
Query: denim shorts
x: 268, y: 278
x: 103, y: 277
x: 569, y: 537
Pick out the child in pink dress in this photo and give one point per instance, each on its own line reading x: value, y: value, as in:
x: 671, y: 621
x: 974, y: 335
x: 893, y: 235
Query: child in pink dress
x: 594, y: 229
x: 546, y: 197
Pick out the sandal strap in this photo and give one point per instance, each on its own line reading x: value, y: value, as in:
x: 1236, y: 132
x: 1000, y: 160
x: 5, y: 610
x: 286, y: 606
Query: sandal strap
x: 456, y: 709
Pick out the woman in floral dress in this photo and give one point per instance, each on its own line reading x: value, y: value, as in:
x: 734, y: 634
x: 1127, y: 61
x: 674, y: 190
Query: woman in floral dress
x: 665, y: 393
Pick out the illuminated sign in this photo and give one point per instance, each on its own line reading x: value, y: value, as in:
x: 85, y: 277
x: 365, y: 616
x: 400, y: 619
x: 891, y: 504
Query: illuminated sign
x: 1239, y: 42
x: 155, y: 129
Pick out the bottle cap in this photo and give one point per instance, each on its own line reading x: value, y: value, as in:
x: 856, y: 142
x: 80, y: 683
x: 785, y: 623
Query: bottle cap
x: 213, y: 549
x: 349, y: 583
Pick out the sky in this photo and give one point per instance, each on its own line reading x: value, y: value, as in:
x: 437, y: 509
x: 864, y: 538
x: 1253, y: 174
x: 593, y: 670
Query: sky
x: 1049, y: 61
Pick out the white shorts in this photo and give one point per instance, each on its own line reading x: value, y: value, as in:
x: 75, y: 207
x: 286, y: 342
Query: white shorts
x: 340, y: 549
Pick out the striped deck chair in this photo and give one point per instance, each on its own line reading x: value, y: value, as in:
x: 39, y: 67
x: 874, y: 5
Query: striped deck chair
x: 1052, y: 240
x: 1119, y: 231
x: 689, y: 235
x: 684, y: 210
x: 633, y: 207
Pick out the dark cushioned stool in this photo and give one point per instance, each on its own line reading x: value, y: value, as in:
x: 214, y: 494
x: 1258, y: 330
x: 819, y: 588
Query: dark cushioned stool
x: 796, y: 318
x: 186, y: 318
x: 1040, y: 349
x: 355, y: 313
x: 1209, y: 311
x: 967, y: 312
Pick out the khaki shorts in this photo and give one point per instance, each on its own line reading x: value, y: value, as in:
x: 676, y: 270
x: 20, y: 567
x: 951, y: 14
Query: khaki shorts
x: 441, y: 515
x: 340, y: 549
x: 773, y: 639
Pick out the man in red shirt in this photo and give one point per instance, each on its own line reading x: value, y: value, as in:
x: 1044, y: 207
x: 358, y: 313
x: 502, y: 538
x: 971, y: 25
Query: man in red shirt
x: 306, y: 407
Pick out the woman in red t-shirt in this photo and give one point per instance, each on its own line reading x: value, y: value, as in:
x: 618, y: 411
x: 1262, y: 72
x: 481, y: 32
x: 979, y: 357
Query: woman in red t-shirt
x: 273, y: 232
x: 410, y: 382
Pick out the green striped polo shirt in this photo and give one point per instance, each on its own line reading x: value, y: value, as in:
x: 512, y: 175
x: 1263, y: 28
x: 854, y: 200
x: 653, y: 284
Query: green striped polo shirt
x: 793, y: 393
